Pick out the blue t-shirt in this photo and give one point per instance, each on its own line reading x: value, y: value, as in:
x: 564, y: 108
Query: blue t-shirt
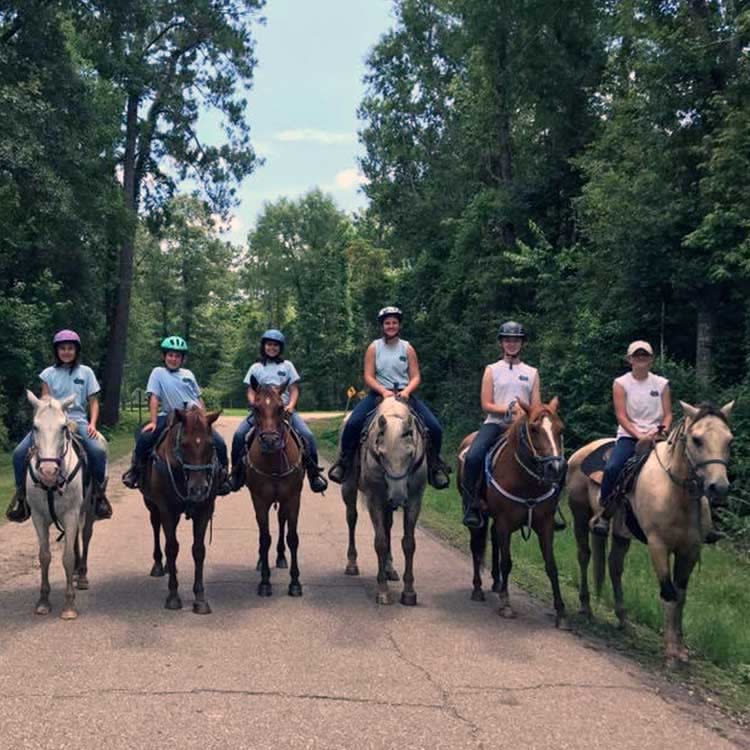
x: 80, y: 381
x: 274, y: 373
x: 173, y: 388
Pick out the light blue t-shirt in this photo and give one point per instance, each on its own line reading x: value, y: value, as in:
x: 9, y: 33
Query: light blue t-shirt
x: 274, y: 373
x: 62, y: 382
x: 173, y: 388
x: 392, y: 364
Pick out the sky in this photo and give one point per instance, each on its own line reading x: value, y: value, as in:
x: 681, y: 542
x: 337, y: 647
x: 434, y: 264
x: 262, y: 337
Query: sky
x: 302, y: 107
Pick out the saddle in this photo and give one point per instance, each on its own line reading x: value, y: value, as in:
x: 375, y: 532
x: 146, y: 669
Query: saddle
x: 421, y: 426
x: 593, y: 465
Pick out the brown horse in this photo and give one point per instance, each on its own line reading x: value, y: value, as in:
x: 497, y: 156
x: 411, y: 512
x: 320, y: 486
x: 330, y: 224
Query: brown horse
x: 182, y: 477
x: 521, y: 493
x: 670, y: 502
x: 274, y: 471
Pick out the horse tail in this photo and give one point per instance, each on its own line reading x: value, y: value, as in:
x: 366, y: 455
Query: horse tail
x: 599, y: 555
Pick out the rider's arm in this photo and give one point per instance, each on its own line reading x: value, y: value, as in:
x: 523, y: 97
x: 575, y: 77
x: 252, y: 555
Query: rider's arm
x: 666, y: 405
x: 618, y: 398
x: 293, y: 391
x: 415, y: 377
x: 250, y: 396
x: 536, y: 395
x: 370, y: 380
x: 93, y: 414
x: 488, y: 396
x: 45, y: 390
x: 153, y: 408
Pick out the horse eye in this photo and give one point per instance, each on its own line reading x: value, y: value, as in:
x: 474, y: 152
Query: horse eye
x: 407, y: 433
x: 698, y: 442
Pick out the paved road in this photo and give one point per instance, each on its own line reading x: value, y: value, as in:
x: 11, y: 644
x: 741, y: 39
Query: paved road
x: 329, y: 670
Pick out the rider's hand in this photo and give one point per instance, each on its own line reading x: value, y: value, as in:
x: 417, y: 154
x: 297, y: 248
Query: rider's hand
x: 92, y: 431
x: 149, y: 427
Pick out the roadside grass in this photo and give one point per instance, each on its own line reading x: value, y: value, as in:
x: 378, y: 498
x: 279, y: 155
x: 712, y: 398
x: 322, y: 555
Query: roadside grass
x: 716, y: 613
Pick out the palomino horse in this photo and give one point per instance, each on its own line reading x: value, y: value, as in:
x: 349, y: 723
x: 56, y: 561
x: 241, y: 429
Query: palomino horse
x: 522, y: 491
x: 54, y: 488
x: 274, y: 472
x: 670, y: 504
x: 181, y: 477
x: 390, y: 470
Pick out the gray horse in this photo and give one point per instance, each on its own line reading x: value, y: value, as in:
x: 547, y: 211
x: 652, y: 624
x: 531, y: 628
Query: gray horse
x: 54, y: 488
x: 391, y: 472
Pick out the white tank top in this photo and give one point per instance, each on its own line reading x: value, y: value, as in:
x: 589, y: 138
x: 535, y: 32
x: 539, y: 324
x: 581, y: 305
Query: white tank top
x: 509, y: 383
x: 642, y: 401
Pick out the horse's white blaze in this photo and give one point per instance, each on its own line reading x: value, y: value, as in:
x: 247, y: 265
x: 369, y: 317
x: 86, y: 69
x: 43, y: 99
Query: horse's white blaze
x: 547, y: 427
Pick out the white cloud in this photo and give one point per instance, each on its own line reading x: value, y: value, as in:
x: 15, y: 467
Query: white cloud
x: 311, y: 135
x: 348, y: 179
x: 233, y: 225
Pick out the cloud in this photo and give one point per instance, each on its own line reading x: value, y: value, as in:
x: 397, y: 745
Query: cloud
x: 348, y: 179
x: 311, y: 135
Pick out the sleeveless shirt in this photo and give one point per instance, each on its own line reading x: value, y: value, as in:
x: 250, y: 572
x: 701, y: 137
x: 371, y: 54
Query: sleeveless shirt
x: 509, y: 383
x: 642, y: 401
x: 392, y: 364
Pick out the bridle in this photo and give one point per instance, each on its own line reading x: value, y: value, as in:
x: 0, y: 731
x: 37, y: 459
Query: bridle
x: 414, y: 464
x: 527, y: 447
x: 187, y: 468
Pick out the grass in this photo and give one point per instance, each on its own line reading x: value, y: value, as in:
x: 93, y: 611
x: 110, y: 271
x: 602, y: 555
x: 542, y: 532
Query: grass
x: 716, y: 613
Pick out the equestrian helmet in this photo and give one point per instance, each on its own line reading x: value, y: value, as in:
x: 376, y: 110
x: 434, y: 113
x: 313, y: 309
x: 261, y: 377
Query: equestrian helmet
x: 511, y: 330
x: 391, y: 311
x: 66, y: 336
x: 174, y: 344
x: 272, y: 334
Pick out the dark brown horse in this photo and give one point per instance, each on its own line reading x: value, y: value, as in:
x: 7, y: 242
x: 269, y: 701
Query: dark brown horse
x: 182, y: 477
x: 274, y: 471
x: 521, y: 493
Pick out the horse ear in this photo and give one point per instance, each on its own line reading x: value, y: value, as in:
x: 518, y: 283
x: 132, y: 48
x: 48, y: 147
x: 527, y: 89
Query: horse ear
x: 32, y: 399
x: 212, y: 416
x: 382, y: 422
x: 552, y: 405
x: 179, y: 415
x: 68, y: 401
x: 726, y: 410
x: 254, y: 382
x: 688, y: 410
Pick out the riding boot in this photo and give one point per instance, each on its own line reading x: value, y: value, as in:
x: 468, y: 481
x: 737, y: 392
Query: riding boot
x: 18, y: 511
x: 599, y: 524
x: 102, y: 506
x: 712, y: 536
x: 132, y: 477
x: 560, y: 524
x: 314, y: 475
x: 438, y: 473
x: 472, y: 512
x: 337, y: 472
x: 224, y: 486
x: 237, y: 477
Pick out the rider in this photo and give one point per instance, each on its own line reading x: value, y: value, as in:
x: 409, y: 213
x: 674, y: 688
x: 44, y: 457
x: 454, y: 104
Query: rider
x: 272, y: 369
x: 170, y: 387
x: 68, y: 376
x: 643, y: 408
x: 391, y: 370
x: 504, y: 382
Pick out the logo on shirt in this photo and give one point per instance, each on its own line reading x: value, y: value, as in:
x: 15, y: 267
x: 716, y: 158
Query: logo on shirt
x: 523, y: 377
x: 654, y: 393
x: 402, y: 358
x: 281, y: 373
x: 78, y: 381
x: 186, y: 380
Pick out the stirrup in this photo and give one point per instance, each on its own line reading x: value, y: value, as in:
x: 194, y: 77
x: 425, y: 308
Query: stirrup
x: 18, y: 511
x: 337, y: 472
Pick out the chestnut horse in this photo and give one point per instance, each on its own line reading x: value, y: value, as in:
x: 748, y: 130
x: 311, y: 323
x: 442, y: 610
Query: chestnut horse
x: 182, y: 477
x: 670, y: 504
x: 274, y: 472
x: 521, y: 492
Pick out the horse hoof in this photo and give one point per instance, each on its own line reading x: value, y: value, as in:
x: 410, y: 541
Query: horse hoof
x: 282, y: 563
x: 352, y: 569
x: 295, y: 589
x: 82, y: 583
x: 383, y: 598
x: 201, y: 608
x: 392, y: 575
x: 68, y: 614
x: 42, y: 608
x: 409, y: 598
x: 264, y: 589
x: 258, y: 565
x: 157, y: 571
x: 477, y: 595
x: 496, y: 586
x: 173, y: 602
x: 507, y: 612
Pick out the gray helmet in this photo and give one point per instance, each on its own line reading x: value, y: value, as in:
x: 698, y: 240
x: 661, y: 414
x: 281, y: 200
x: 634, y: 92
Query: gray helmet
x: 390, y: 311
x: 511, y: 330
x: 272, y: 334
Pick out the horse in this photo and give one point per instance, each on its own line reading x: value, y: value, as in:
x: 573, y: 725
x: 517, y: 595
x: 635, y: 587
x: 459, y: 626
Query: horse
x: 181, y: 476
x: 390, y: 470
x: 54, y: 489
x: 274, y: 473
x: 521, y: 493
x: 670, y: 502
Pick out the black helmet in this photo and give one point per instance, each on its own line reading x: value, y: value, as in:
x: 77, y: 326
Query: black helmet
x: 511, y: 330
x: 388, y: 312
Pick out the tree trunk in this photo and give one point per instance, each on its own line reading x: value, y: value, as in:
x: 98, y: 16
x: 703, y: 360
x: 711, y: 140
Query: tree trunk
x: 118, y: 336
x: 704, y: 342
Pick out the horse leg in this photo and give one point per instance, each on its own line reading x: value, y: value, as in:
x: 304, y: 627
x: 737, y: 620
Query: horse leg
x: 377, y: 514
x: 496, y: 579
x: 581, y: 530
x: 660, y: 562
x: 280, y: 548
x: 157, y: 570
x: 350, y: 499
x: 620, y: 547
x: 70, y: 522
x: 478, y: 543
x: 683, y: 567
x: 506, y: 565
x: 262, y: 517
x: 295, y: 588
x: 43, y: 605
x: 200, y: 524
x: 409, y: 545
x: 82, y: 559
x: 390, y: 571
x: 547, y: 547
x: 171, y: 547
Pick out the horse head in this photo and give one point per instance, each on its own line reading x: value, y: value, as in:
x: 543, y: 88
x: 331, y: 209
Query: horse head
x: 708, y: 441
x: 541, y: 433
x: 269, y: 417
x: 50, y: 434
x: 195, y: 451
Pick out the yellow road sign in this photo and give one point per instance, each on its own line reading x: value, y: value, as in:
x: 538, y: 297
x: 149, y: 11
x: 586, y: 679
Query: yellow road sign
x: 351, y: 392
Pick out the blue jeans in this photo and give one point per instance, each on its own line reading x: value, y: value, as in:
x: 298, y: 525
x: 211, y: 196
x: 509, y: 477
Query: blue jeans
x: 299, y: 425
x: 358, y: 417
x: 623, y: 450
x: 145, y: 441
x: 96, y: 454
x: 489, y: 433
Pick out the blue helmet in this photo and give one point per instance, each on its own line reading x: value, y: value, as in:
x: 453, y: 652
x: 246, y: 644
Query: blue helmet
x: 273, y: 335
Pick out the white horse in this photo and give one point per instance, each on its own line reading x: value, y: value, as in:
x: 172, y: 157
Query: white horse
x: 54, y: 489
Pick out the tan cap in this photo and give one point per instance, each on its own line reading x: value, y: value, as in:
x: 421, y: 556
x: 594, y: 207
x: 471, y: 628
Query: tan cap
x: 638, y: 345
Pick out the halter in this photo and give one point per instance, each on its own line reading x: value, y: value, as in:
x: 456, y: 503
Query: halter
x: 413, y: 465
x: 187, y: 468
x: 282, y: 432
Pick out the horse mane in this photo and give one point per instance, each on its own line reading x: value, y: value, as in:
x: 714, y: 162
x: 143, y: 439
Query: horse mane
x: 536, y: 411
x: 707, y: 409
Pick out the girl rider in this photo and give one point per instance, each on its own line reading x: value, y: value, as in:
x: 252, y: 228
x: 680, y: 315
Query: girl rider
x: 503, y: 384
x: 170, y: 387
x: 272, y: 369
x: 68, y: 376
x: 391, y: 371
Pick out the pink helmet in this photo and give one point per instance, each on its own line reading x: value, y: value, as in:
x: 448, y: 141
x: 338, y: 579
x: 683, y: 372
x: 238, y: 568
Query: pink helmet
x: 66, y: 337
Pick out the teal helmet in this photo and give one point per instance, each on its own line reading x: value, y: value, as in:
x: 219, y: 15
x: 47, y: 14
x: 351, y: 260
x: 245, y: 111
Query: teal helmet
x: 174, y: 344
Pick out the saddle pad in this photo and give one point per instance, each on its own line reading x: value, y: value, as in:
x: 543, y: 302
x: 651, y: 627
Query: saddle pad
x: 594, y: 463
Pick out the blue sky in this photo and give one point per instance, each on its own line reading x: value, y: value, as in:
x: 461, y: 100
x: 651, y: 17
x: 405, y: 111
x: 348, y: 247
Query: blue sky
x: 302, y: 108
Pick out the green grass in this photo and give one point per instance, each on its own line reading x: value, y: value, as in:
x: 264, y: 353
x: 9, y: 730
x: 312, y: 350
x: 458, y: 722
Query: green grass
x: 716, y: 614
